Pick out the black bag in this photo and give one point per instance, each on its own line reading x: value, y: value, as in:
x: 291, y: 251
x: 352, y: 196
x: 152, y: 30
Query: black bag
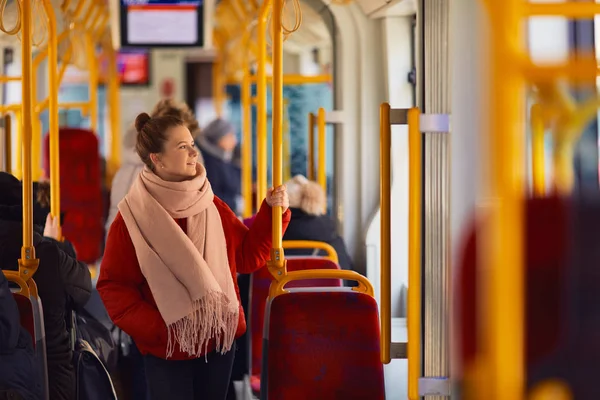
x: 99, y: 338
x: 93, y: 380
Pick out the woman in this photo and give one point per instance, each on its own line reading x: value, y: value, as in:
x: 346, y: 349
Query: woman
x: 132, y: 165
x: 309, y: 222
x: 63, y: 282
x: 220, y: 150
x: 172, y: 255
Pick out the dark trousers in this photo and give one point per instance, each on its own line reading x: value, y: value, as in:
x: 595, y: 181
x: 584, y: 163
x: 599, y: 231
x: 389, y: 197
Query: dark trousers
x: 189, y: 379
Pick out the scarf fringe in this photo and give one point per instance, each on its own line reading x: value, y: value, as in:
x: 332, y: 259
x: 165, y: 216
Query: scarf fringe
x: 212, y: 318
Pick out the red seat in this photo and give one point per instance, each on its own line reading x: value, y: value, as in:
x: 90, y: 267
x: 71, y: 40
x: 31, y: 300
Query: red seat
x: 259, y: 291
x: 323, y: 344
x: 80, y: 190
x: 26, y: 314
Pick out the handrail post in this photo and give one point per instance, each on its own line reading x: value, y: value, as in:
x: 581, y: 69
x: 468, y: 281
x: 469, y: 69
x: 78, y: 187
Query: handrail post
x: 414, y: 253
x: 261, y: 104
x: 53, y: 115
x: 322, y: 172
x: 114, y: 113
x: 8, y: 143
x: 537, y: 150
x: 310, y: 171
x: 246, y: 144
x: 385, y: 144
x: 277, y: 261
x: 27, y: 263
x: 90, y: 50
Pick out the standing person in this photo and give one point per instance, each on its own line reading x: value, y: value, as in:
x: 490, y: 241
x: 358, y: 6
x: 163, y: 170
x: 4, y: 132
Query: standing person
x: 132, y: 164
x: 172, y: 255
x: 218, y: 145
x: 64, y: 284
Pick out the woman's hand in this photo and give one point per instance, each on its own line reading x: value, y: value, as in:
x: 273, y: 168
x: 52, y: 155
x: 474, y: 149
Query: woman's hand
x: 52, y: 229
x: 278, y: 198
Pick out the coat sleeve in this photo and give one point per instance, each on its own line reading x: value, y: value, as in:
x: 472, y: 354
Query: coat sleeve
x: 75, y: 276
x: 253, y: 245
x: 119, y: 286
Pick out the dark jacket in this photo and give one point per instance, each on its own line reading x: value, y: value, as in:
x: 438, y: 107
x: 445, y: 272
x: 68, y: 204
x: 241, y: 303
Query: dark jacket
x: 63, y: 284
x: 19, y: 375
x: 223, y: 174
x: 319, y: 228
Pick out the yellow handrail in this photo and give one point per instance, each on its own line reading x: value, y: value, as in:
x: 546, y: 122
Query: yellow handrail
x: 53, y: 115
x: 414, y: 254
x: 8, y: 143
x: 310, y: 173
x: 538, y: 150
x: 322, y: 169
x: 311, y: 244
x: 28, y: 263
x: 385, y: 144
x: 90, y: 51
x: 261, y: 104
x: 414, y: 244
x: 114, y: 112
x: 276, y: 264
x: 502, y: 317
x: 13, y: 276
x: 246, y: 144
x: 364, y: 286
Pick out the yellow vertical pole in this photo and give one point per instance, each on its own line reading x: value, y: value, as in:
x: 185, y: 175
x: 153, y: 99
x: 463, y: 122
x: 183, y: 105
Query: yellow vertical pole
x: 246, y: 144
x: 287, y: 166
x: 310, y: 173
x: 217, y: 89
x: 36, y: 132
x: 8, y: 143
x: 19, y: 143
x: 502, y: 317
x: 385, y: 144
x: 115, y: 110
x: 261, y: 105
x: 414, y: 254
x: 93, y: 85
x: 277, y: 264
x: 28, y: 263
x: 53, y: 113
x: 538, y: 150
x: 322, y: 170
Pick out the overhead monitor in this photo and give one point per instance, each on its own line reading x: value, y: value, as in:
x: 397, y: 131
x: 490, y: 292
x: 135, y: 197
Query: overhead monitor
x: 162, y: 23
x: 133, y: 67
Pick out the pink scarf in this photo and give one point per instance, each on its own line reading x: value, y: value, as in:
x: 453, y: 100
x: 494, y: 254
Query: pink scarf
x: 189, y: 274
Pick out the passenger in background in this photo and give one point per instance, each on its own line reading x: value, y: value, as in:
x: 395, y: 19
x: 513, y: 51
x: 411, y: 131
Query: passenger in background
x: 219, y: 147
x: 63, y: 282
x: 309, y: 221
x: 172, y: 255
x: 19, y: 372
x: 132, y: 165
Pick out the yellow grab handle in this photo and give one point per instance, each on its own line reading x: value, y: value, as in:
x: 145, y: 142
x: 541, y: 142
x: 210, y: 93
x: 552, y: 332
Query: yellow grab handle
x: 385, y: 142
x: 53, y: 85
x: 311, y: 244
x: 537, y: 150
x: 322, y: 170
x: 310, y: 172
x: 414, y: 253
x: 364, y: 285
x: 8, y: 143
x: 28, y: 264
x: 14, y: 277
x: 276, y: 264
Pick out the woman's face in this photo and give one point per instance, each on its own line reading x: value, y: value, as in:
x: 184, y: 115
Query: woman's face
x: 177, y: 161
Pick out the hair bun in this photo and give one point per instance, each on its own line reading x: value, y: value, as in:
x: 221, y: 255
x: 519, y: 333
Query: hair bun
x: 141, y: 121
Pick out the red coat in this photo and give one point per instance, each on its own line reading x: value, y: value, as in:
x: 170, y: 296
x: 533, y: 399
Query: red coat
x: 126, y: 294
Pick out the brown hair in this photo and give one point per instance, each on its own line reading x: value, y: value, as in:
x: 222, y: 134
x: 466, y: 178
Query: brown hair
x: 43, y: 194
x: 152, y: 135
x: 172, y: 108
